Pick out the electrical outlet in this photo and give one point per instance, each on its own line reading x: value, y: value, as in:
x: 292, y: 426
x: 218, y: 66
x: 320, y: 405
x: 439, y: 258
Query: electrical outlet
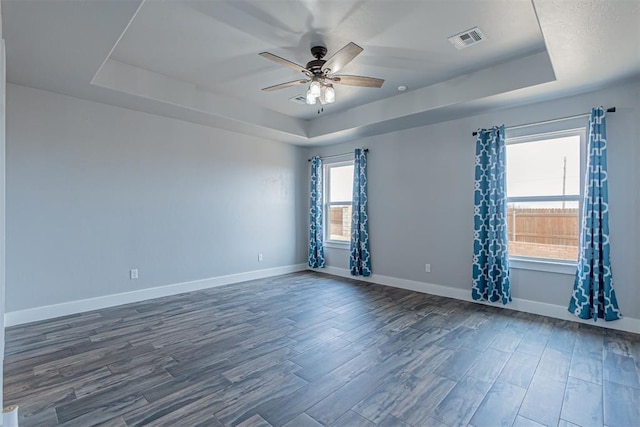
x: 427, y: 268
x: 260, y: 259
x: 133, y: 273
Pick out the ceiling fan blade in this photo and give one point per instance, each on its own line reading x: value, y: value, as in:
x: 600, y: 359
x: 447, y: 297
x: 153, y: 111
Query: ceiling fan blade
x: 286, y: 63
x: 358, y: 81
x: 342, y: 58
x: 284, y: 85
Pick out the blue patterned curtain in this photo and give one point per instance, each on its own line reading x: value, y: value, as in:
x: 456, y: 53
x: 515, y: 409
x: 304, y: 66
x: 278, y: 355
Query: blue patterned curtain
x: 360, y: 261
x: 490, y: 254
x: 316, y: 247
x: 593, y: 294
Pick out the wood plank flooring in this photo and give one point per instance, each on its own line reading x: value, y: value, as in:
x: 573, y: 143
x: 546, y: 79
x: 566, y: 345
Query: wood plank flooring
x: 308, y: 349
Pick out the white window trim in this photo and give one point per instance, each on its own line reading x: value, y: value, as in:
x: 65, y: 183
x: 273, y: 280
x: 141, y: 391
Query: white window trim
x: 550, y: 265
x: 543, y: 264
x: 337, y: 244
x: 328, y: 243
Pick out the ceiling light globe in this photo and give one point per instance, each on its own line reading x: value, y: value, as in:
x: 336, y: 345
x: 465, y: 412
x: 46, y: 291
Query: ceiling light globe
x: 311, y: 100
x: 314, y: 88
x: 329, y: 95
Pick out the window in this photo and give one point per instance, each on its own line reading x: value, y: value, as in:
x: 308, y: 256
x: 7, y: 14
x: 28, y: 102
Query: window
x: 544, y: 183
x: 338, y: 201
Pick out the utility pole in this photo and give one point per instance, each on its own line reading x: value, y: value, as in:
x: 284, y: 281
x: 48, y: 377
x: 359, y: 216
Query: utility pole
x: 564, y: 179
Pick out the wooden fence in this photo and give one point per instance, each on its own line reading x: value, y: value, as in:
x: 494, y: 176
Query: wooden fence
x: 340, y: 222
x: 544, y: 226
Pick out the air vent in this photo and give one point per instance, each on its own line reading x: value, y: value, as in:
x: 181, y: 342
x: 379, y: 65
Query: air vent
x: 467, y: 38
x: 299, y: 99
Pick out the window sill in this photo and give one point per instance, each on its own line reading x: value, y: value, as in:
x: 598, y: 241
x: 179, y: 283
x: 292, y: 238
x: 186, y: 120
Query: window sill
x: 337, y: 245
x: 549, y: 266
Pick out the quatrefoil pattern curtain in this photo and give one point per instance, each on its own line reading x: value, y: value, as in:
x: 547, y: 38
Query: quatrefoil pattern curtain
x: 316, y: 241
x: 593, y: 295
x: 360, y: 260
x: 490, y: 253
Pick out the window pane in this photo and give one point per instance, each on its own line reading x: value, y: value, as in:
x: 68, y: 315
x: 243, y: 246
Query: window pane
x: 538, y: 168
x: 340, y: 222
x: 543, y: 230
x: 341, y: 183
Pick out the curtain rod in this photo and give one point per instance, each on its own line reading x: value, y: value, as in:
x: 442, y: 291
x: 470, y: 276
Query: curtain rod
x: 366, y: 150
x: 609, y: 110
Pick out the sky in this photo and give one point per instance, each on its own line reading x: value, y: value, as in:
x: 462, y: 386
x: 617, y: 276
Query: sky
x: 536, y: 168
x: 341, y: 183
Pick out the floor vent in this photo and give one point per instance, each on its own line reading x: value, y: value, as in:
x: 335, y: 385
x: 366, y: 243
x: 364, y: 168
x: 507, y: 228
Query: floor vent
x: 467, y: 38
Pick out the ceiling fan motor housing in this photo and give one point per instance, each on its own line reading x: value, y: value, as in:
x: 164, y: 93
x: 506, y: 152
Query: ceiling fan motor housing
x: 315, y: 66
x: 318, y: 52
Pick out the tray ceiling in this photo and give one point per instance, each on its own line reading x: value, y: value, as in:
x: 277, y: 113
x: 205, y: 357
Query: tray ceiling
x: 198, y: 60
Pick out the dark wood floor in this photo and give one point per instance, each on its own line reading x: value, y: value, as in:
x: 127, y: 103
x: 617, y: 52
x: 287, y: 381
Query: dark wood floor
x: 311, y: 350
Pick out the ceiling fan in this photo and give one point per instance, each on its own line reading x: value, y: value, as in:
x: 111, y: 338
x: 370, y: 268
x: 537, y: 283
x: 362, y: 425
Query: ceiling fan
x: 320, y: 73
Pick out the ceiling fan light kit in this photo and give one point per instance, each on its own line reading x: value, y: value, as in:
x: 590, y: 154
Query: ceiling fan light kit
x: 324, y: 92
x: 320, y: 73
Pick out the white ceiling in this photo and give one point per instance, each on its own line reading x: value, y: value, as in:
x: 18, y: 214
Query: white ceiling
x: 198, y: 60
x: 215, y: 44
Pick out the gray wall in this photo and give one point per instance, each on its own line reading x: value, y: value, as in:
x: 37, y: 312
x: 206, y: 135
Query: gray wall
x: 95, y: 190
x: 429, y: 172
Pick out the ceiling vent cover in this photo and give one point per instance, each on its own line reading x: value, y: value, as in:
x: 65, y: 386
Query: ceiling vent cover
x: 299, y: 99
x: 467, y: 38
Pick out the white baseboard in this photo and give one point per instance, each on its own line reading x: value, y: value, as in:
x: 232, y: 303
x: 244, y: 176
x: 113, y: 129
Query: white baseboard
x: 627, y: 324
x: 35, y: 314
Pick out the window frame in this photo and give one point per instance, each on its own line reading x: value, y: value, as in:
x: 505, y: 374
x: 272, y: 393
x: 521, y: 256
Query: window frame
x: 552, y: 265
x: 326, y: 204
